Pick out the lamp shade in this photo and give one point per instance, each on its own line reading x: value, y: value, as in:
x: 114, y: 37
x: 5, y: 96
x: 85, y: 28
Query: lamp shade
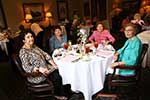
x: 28, y: 17
x: 48, y: 14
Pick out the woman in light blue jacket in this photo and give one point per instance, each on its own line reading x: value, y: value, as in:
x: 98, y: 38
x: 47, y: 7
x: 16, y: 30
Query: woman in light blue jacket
x: 131, y: 51
x: 57, y: 40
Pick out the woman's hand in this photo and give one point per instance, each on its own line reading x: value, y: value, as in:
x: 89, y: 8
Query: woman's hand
x: 45, y: 71
x: 56, y: 67
x: 35, y: 69
x: 117, y: 64
x: 116, y: 56
x: 114, y: 64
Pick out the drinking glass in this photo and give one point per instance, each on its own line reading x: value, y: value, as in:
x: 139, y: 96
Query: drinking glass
x: 87, y: 49
x: 96, y: 45
x: 65, y: 46
x: 104, y: 43
x: 78, y: 41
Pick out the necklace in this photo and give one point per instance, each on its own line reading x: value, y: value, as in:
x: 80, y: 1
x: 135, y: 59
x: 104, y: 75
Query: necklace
x: 27, y: 46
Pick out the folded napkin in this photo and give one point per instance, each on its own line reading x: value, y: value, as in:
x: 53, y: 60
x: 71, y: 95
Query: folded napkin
x: 103, y: 53
x: 70, y: 58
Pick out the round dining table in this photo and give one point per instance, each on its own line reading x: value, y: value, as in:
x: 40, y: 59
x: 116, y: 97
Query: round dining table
x: 84, y: 72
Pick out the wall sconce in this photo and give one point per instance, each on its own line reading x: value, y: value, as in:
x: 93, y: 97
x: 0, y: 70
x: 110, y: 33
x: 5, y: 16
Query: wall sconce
x: 28, y: 17
x: 49, y: 15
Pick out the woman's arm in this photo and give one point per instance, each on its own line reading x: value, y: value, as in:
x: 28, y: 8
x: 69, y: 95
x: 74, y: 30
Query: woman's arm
x: 48, y: 58
x: 116, y: 55
x: 51, y: 44
x: 92, y: 37
x: 53, y: 63
x: 111, y: 39
x: 45, y: 54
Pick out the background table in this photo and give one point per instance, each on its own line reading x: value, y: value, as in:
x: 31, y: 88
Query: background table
x: 85, y: 76
x: 145, y: 38
x: 3, y: 45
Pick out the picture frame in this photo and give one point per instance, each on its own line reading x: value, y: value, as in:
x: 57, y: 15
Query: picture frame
x: 130, y: 6
x: 3, y: 23
x: 62, y: 9
x: 35, y: 9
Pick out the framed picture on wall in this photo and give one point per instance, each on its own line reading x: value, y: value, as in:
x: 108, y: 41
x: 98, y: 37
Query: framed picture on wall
x: 62, y: 9
x: 35, y: 9
x: 130, y: 6
x: 3, y: 23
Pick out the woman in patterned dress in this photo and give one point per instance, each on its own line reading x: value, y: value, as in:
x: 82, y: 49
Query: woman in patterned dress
x: 34, y: 59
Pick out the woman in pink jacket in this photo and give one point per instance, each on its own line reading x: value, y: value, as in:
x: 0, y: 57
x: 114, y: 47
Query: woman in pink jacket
x: 101, y: 35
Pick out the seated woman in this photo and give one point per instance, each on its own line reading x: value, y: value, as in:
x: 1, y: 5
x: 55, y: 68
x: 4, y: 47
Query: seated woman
x: 57, y: 40
x: 101, y: 34
x: 138, y: 22
x: 129, y: 54
x: 34, y: 59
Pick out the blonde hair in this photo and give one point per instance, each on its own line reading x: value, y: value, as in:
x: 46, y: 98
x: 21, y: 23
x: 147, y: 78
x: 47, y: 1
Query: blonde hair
x: 36, y: 28
x: 137, y: 16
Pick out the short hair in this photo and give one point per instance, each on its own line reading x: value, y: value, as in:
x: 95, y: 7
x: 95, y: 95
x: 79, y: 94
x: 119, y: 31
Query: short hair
x: 99, y: 22
x: 130, y: 24
x: 133, y: 26
x: 56, y: 27
x: 26, y: 32
x: 137, y: 16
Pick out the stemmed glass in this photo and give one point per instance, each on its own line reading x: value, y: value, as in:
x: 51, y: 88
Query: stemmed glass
x: 65, y: 46
x: 87, y: 49
x: 95, y: 45
x: 104, y: 43
x: 78, y: 41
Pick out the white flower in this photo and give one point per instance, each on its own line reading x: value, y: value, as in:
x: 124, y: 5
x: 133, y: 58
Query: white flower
x: 83, y: 34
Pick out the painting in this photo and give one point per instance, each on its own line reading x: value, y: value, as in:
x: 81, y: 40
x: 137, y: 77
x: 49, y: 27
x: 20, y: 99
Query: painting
x: 130, y: 6
x: 62, y: 9
x: 35, y: 9
x: 3, y: 23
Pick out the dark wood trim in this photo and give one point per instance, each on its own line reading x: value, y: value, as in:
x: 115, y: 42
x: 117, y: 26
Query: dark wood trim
x: 3, y: 15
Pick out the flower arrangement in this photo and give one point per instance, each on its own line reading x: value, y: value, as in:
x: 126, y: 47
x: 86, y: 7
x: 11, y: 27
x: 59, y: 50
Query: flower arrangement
x: 83, y: 35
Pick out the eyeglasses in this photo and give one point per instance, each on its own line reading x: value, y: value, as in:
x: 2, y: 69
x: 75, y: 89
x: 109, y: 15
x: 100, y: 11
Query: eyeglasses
x: 128, y: 30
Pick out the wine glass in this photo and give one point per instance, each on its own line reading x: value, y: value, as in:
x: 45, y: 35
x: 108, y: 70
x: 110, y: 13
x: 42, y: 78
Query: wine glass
x: 65, y: 46
x: 96, y: 45
x: 78, y: 41
x: 87, y: 49
x: 104, y: 43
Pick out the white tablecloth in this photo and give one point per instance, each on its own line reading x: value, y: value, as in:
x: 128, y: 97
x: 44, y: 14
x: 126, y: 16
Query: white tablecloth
x: 85, y: 76
x: 145, y: 38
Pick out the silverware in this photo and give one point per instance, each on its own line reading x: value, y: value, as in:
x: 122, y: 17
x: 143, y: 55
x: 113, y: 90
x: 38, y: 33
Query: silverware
x: 76, y: 60
x: 101, y: 56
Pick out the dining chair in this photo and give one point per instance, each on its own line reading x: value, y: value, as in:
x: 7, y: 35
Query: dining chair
x: 115, y: 81
x: 40, y: 90
x: 106, y: 96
